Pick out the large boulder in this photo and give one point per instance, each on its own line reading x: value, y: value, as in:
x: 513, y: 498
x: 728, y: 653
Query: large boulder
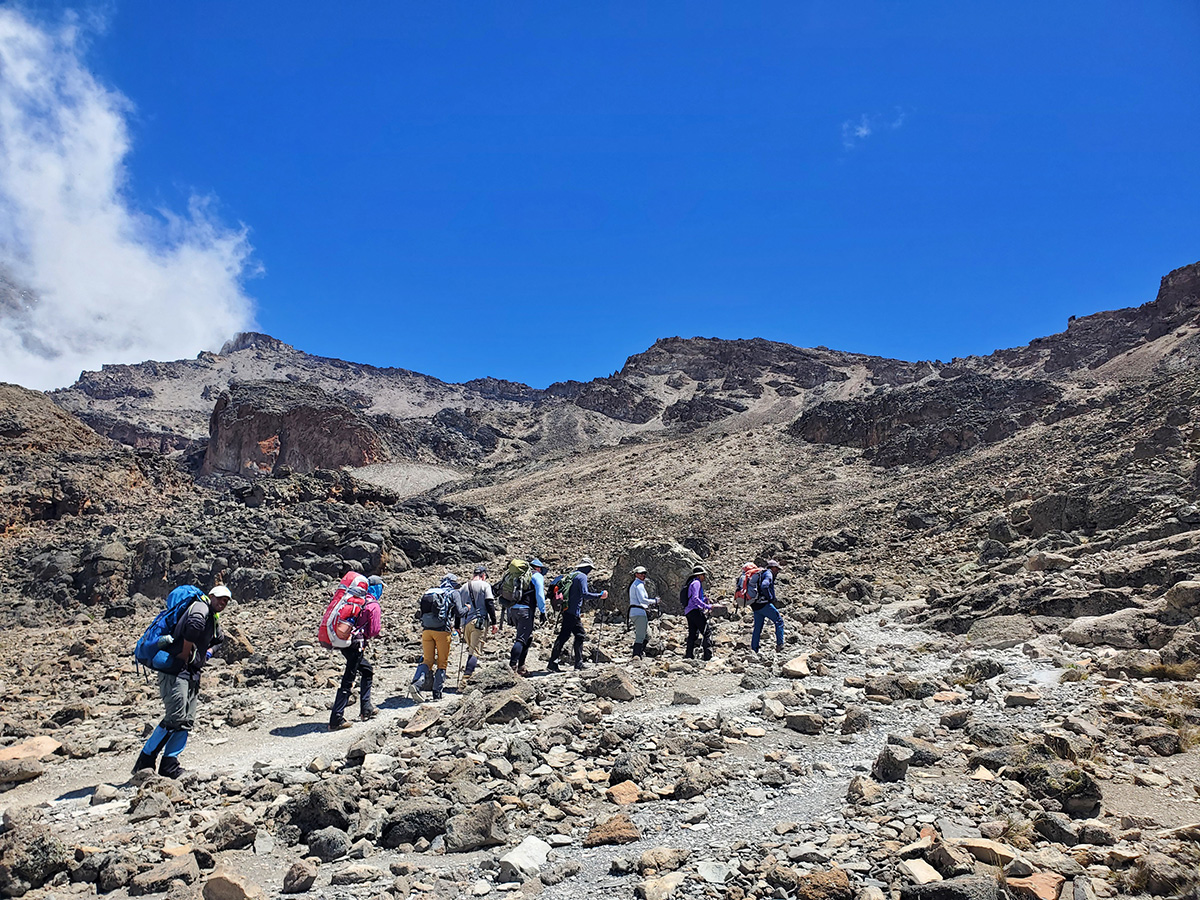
x: 1128, y: 629
x: 30, y: 854
x: 667, y: 563
x: 330, y: 802
x: 259, y: 426
x: 481, y: 826
x: 412, y: 820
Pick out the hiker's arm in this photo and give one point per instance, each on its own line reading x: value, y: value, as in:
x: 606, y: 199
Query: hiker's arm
x: 539, y: 592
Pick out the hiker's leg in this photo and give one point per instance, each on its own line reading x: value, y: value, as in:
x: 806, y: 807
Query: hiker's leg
x: 564, y: 629
x: 441, y: 649
x: 474, y: 646
x: 522, y: 617
x: 706, y: 631
x: 641, y: 628
x: 189, y: 691
x: 694, y: 620
x: 338, y: 714
x: 777, y: 617
x: 756, y: 634
x: 439, y: 679
x: 366, y: 671
x: 429, y: 648
x: 580, y: 637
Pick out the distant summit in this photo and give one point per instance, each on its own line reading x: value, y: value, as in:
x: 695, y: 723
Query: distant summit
x: 253, y: 340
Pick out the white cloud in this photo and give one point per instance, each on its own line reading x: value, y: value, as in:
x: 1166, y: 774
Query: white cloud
x: 855, y: 131
x: 85, y: 277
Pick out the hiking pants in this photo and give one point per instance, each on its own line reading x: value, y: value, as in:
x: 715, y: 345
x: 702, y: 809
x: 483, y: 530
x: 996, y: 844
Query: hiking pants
x: 356, y: 663
x: 180, y: 697
x: 435, y: 648
x: 641, y: 626
x: 571, y: 625
x: 474, y: 635
x: 522, y: 618
x: 698, y: 632
x: 761, y: 615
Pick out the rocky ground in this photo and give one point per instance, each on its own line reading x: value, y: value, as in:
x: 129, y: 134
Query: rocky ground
x: 991, y: 576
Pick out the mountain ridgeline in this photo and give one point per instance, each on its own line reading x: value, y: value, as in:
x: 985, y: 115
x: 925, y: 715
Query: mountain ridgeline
x: 259, y: 389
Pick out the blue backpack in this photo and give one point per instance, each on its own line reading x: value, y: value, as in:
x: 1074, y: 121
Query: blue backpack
x: 153, y: 648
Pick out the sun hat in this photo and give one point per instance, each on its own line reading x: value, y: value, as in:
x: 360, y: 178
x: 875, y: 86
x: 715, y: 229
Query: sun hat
x: 537, y: 564
x: 699, y: 570
x: 585, y: 563
x: 773, y: 564
x: 640, y: 570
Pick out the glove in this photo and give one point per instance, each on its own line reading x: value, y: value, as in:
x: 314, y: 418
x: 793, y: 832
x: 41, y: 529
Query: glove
x: 208, y: 655
x: 542, y: 617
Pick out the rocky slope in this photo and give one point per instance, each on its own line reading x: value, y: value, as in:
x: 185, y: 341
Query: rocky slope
x: 991, y: 583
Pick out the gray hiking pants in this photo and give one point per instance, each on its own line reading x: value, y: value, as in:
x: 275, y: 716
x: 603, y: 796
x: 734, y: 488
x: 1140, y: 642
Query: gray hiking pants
x: 641, y: 626
x: 180, y: 697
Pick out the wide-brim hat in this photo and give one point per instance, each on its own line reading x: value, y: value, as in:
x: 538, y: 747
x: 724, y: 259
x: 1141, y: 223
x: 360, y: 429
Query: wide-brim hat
x: 773, y: 564
x: 640, y: 570
x: 537, y: 564
x: 585, y: 563
x: 699, y: 570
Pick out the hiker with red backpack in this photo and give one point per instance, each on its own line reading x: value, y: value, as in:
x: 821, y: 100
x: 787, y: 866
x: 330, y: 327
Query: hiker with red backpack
x: 760, y: 594
x: 352, y: 619
x: 177, y: 645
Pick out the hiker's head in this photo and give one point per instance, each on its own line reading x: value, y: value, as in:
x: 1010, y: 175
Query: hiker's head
x: 538, y: 564
x: 375, y: 586
x: 481, y: 571
x: 585, y: 565
x: 773, y: 565
x: 218, y: 598
x: 699, y: 573
x: 449, y: 580
x: 639, y: 573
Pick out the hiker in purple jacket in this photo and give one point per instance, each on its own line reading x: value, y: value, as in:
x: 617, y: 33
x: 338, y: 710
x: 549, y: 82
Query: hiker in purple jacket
x: 368, y: 626
x: 696, y: 612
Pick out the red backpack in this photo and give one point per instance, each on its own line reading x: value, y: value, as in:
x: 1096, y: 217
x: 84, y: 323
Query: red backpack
x: 749, y: 570
x: 341, y: 615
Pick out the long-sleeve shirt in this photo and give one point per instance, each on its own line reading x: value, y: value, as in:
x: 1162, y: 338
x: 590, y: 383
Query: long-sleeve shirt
x: 696, y: 598
x: 766, y: 589
x: 577, y: 593
x: 639, y: 601
x: 539, y: 591
x: 200, y: 627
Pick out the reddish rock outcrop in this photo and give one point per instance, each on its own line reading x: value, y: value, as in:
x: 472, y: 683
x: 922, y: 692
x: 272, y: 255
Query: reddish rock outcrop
x: 259, y: 426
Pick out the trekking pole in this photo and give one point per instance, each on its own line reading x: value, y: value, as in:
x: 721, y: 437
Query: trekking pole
x: 462, y: 649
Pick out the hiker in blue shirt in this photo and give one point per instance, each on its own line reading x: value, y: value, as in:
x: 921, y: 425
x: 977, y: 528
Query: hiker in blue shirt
x: 764, y: 607
x: 520, y: 614
x: 572, y: 615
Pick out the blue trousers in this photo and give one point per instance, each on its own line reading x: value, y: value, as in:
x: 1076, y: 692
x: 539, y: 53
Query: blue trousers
x: 760, y: 615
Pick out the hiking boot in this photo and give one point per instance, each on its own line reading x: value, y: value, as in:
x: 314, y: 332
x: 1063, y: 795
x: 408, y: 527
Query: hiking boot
x: 144, y: 761
x: 340, y: 725
x: 552, y: 667
x: 522, y: 671
x: 437, y: 695
x: 369, y: 713
x: 170, y: 767
x: 779, y: 648
x: 579, y: 667
x: 415, y: 693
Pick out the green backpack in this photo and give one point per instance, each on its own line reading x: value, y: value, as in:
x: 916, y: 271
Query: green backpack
x: 516, y: 581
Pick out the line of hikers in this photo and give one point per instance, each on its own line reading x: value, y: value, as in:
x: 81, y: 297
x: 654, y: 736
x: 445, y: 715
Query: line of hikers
x: 182, y: 637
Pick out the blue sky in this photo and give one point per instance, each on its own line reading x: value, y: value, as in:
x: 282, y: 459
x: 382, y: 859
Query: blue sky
x: 454, y: 188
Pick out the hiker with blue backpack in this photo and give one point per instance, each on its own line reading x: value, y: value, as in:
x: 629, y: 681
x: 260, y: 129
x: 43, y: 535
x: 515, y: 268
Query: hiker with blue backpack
x: 439, y: 618
x: 760, y: 593
x: 176, y: 646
